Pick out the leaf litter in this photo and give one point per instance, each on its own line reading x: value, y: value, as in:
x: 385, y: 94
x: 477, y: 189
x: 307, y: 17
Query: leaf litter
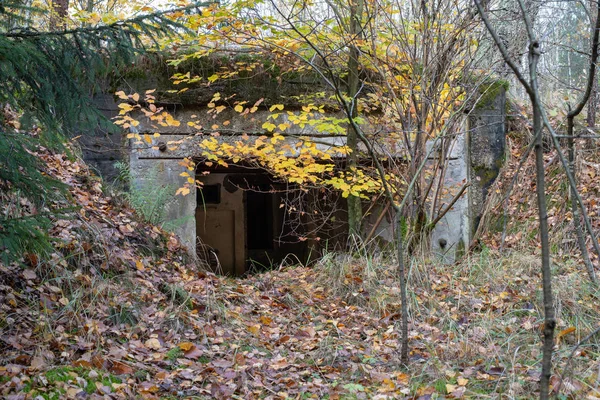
x: 118, y: 311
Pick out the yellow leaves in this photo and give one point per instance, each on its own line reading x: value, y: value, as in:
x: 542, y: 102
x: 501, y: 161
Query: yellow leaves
x: 276, y: 137
x: 563, y: 333
x: 170, y: 121
x: 139, y: 265
x: 184, y: 191
x: 125, y: 108
x: 213, y: 78
x: 239, y: 108
x: 276, y: 107
x: 269, y: 126
x: 254, y: 329
x: 186, y: 346
x: 121, y: 94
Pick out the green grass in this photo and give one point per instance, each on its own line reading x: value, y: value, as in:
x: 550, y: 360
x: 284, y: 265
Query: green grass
x: 69, y: 375
x: 174, y: 354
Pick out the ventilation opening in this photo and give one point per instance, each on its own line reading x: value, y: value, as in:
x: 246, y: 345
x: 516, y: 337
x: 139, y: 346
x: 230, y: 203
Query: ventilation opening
x: 209, y: 194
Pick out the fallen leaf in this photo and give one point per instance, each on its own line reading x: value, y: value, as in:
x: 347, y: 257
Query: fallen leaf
x: 186, y: 346
x: 153, y: 344
x: 29, y: 275
x: 119, y: 368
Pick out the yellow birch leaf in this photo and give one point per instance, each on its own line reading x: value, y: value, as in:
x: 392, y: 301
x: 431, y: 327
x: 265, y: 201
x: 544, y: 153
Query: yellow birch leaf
x: 139, y: 265
x: 186, y: 346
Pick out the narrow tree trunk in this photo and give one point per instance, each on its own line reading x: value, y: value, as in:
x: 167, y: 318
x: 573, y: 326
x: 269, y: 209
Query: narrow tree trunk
x: 354, y: 203
x: 592, y: 106
x: 402, y: 278
x: 589, y: 98
x: 58, y: 17
x: 593, y: 101
x: 549, y: 319
x: 574, y: 206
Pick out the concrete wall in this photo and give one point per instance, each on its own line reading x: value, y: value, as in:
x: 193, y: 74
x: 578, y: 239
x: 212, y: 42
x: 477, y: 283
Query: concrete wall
x: 452, y: 234
x: 103, y: 147
x: 486, y: 143
x: 180, y: 210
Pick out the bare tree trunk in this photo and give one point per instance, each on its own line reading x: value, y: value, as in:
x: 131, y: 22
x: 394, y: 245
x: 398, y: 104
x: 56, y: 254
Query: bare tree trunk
x: 549, y: 318
x: 593, y: 101
x: 402, y: 278
x: 531, y: 86
x: 58, y: 17
x: 592, y: 105
x: 572, y: 154
x: 575, y: 207
x: 354, y: 203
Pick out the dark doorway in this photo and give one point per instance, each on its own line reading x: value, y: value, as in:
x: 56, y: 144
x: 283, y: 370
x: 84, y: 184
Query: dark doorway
x: 259, y: 227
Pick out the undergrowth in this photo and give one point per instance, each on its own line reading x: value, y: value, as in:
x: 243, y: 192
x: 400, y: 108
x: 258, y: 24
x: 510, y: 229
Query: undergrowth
x: 486, y: 314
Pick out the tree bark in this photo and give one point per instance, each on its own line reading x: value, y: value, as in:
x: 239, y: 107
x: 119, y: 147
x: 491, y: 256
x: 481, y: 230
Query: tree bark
x: 572, y: 154
x: 402, y: 278
x: 549, y: 315
x: 354, y: 202
x: 593, y: 101
x: 58, y: 17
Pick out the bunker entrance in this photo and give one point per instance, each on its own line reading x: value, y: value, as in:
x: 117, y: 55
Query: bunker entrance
x: 247, y: 221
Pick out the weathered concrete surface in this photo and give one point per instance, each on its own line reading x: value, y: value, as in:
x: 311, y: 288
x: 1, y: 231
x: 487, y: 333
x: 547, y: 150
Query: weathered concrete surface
x: 103, y: 147
x: 452, y: 233
x: 486, y: 151
x: 180, y: 210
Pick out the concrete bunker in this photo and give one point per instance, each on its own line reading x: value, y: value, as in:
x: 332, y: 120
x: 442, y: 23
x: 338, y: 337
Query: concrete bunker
x: 242, y: 219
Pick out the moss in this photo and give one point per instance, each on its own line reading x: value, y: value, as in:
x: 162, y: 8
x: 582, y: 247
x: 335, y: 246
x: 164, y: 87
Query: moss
x: 203, y: 360
x: 460, y: 249
x: 177, y: 295
x: 486, y: 175
x: 267, y: 81
x: 174, y: 354
x: 489, y: 90
x: 70, y: 374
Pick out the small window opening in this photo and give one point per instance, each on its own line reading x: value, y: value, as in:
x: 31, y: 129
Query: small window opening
x: 209, y: 194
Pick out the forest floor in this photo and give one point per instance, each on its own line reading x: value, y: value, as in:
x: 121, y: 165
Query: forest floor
x: 118, y: 312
